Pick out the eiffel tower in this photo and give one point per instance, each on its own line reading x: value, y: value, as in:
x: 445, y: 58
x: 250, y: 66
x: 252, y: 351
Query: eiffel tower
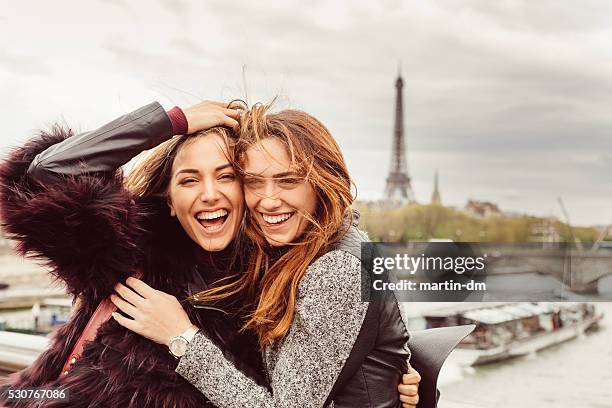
x: 398, y: 190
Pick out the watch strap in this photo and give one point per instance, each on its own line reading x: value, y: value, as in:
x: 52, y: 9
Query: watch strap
x: 190, y: 333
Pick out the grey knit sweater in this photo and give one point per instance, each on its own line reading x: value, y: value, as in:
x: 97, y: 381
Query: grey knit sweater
x: 303, y: 367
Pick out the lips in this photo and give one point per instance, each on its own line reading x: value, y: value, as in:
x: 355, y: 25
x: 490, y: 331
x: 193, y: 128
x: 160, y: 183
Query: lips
x: 275, y: 220
x: 212, y: 221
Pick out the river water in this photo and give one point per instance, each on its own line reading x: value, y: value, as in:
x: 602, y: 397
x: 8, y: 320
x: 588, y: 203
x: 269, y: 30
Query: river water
x: 577, y: 373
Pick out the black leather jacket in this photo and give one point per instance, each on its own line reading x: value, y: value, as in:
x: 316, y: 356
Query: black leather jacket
x: 383, y: 348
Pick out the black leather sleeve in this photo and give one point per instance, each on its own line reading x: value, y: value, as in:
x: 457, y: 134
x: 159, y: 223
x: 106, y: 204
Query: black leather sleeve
x: 105, y: 149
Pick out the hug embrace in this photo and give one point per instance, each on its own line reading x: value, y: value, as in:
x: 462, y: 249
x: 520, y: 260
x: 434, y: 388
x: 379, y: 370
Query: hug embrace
x: 224, y: 270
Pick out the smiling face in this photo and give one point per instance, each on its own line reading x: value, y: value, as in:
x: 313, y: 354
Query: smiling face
x: 205, y: 194
x: 276, y: 196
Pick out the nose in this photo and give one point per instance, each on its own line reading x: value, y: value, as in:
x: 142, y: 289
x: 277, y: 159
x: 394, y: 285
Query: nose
x: 270, y: 189
x: 270, y: 203
x: 270, y: 199
x: 209, y: 193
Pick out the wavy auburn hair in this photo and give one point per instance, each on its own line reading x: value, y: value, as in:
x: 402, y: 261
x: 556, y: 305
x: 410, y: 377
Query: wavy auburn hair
x: 272, y: 278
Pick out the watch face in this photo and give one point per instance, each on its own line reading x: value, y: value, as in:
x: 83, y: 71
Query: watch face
x: 178, y: 346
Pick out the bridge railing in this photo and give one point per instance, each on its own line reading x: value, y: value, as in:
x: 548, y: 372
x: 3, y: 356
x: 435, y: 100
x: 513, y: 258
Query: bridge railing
x: 18, y: 350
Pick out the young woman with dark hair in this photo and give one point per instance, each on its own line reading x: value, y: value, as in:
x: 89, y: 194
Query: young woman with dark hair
x: 64, y: 201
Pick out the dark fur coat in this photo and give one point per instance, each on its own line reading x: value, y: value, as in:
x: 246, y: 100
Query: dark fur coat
x: 92, y: 234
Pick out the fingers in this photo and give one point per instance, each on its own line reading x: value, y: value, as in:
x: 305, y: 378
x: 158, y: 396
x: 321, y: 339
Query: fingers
x: 124, y: 306
x: 140, y: 287
x: 205, y: 104
x: 232, y: 113
x: 220, y: 104
x: 124, y: 321
x: 411, y: 378
x: 217, y: 103
x: 409, y: 399
x: 229, y: 122
x: 128, y: 294
x: 408, y: 390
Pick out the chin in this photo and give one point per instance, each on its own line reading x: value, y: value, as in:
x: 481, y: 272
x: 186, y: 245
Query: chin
x: 215, y: 245
x: 279, y: 240
x: 275, y: 243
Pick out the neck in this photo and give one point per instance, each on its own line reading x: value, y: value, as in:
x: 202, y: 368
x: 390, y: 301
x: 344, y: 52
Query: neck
x: 215, y: 265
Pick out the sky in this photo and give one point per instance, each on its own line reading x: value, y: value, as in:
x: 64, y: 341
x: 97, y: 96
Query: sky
x: 508, y: 100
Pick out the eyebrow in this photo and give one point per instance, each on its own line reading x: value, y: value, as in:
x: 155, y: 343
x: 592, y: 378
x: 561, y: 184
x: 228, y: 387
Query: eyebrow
x: 276, y: 176
x: 196, y: 171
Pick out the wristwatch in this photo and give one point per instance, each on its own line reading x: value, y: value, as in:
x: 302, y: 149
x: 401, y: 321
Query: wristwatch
x: 178, y: 344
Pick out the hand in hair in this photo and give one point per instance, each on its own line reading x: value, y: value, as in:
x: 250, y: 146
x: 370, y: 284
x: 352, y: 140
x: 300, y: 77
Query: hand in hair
x: 208, y: 114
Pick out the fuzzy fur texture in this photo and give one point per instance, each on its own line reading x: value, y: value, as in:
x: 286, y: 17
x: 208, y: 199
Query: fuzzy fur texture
x: 84, y: 228
x: 92, y: 234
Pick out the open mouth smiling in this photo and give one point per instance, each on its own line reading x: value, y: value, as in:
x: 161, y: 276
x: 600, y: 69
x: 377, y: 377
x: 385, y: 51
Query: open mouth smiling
x: 274, y: 220
x: 212, y: 221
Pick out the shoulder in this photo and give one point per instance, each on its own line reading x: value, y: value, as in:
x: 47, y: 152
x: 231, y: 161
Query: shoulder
x: 351, y: 241
x: 337, y: 272
x: 341, y: 264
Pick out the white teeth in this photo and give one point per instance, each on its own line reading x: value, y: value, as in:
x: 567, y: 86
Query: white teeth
x: 211, y: 215
x: 212, y: 228
x: 275, y: 219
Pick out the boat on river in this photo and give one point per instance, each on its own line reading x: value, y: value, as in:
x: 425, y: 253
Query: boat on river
x: 515, y: 329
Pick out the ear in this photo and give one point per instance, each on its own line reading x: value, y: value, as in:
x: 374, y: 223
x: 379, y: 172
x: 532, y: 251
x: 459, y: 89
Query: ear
x: 172, y: 211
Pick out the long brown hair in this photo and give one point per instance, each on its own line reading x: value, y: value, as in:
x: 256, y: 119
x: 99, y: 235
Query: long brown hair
x: 271, y: 280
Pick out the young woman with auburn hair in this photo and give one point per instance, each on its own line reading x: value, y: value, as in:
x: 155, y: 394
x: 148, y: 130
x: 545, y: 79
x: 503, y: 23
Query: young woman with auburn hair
x: 322, y: 344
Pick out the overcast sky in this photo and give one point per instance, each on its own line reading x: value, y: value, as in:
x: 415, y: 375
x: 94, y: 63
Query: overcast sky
x: 509, y: 100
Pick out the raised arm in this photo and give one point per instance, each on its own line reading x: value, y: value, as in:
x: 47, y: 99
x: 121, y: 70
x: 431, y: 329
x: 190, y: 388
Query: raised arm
x: 305, y: 365
x: 63, y: 201
x: 103, y: 150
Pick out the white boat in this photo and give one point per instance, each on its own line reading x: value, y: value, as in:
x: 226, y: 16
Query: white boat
x: 516, y: 329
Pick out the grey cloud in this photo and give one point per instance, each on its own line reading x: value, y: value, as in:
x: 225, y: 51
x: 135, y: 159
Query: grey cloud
x: 550, y: 16
x: 178, y: 7
x: 121, y: 3
x: 23, y: 64
x: 513, y: 93
x: 145, y: 62
x: 134, y: 57
x: 188, y: 45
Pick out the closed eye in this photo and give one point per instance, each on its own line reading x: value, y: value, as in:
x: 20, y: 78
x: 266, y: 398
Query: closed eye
x: 228, y: 177
x: 188, y: 181
x: 253, y: 182
x: 290, y: 181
